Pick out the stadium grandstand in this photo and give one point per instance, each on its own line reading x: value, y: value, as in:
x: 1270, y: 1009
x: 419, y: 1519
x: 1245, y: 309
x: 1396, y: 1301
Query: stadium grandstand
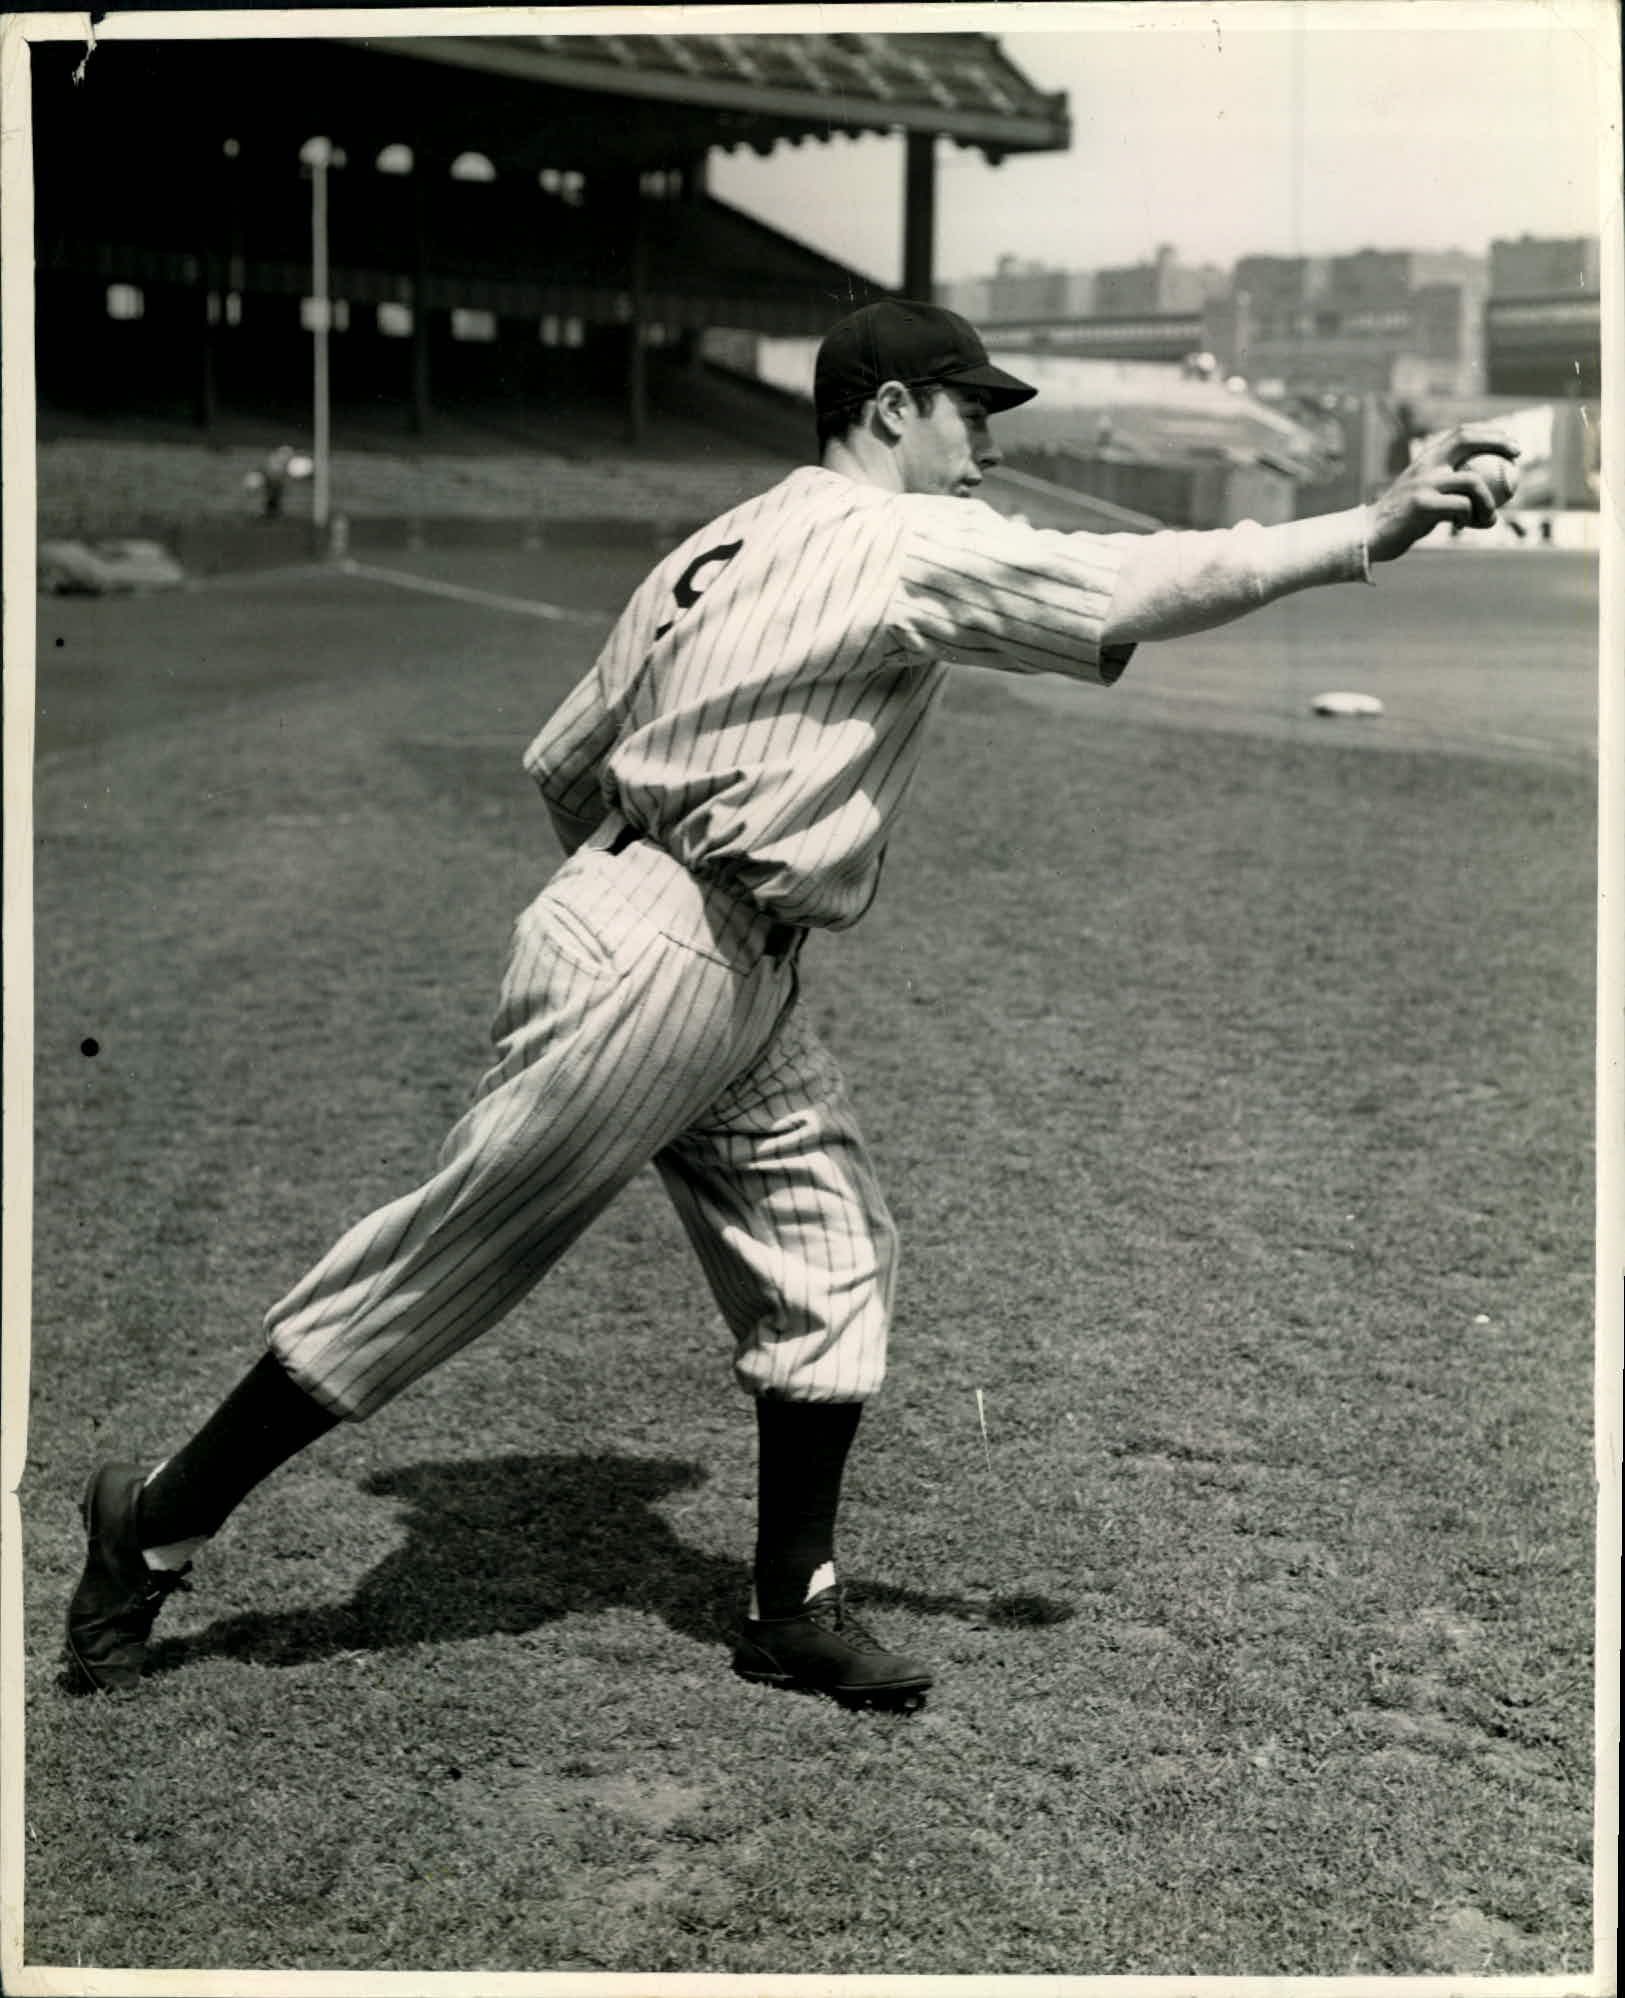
x: 530, y: 291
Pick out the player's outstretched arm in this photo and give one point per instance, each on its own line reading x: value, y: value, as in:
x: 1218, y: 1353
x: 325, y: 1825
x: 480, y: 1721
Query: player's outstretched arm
x: 1460, y: 477
x: 1176, y: 583
x: 1180, y: 581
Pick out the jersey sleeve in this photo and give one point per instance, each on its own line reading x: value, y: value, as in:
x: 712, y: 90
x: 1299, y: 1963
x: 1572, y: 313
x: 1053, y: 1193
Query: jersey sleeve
x: 1174, y: 583
x: 976, y: 587
x: 566, y: 760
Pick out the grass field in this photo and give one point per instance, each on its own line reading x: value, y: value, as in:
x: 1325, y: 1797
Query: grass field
x: 1232, y: 1084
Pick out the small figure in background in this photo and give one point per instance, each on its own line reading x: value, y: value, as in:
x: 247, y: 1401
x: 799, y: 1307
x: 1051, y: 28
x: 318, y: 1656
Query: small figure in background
x: 271, y: 480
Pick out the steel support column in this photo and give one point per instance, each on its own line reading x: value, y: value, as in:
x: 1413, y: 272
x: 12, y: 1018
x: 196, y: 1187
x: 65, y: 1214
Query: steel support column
x: 919, y: 214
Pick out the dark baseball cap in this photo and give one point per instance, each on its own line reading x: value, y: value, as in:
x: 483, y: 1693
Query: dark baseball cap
x: 901, y: 340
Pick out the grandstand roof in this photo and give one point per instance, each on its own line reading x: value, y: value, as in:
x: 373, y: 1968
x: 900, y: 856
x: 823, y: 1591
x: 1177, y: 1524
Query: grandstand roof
x: 759, y: 88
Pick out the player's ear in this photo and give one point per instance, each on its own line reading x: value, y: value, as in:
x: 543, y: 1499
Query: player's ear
x: 892, y: 406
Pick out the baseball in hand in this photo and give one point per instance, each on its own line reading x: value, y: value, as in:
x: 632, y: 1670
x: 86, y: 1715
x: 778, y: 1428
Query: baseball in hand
x: 1499, y: 474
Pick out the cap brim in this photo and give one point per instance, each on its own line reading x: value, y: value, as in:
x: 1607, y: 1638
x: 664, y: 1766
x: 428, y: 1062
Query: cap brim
x: 1001, y: 390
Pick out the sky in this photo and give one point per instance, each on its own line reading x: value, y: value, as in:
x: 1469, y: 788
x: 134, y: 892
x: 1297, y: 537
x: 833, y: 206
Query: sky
x: 1230, y: 129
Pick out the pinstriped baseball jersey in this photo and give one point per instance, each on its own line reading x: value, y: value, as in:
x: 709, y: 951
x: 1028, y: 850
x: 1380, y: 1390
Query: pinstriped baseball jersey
x: 759, y: 707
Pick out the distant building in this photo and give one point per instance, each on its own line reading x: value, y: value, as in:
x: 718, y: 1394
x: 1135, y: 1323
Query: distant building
x: 1543, y: 318
x: 1447, y: 327
x: 1410, y: 324
x: 1163, y: 285
x: 1029, y: 293
x: 1142, y: 312
x: 1369, y: 279
x: 1019, y: 290
x: 1403, y: 322
x: 1539, y: 266
x: 1279, y: 284
x: 969, y: 296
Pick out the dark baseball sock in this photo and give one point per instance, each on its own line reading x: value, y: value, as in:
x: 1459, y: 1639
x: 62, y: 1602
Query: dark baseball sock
x: 801, y: 1453
x: 263, y: 1422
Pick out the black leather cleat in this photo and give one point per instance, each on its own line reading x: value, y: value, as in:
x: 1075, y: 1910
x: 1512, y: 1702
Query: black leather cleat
x: 111, y: 1615
x: 824, y: 1649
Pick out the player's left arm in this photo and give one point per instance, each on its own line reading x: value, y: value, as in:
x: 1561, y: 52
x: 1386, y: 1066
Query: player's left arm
x: 1173, y: 584
x: 973, y: 586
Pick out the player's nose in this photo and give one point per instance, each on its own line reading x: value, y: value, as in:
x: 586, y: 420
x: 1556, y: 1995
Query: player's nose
x: 988, y: 454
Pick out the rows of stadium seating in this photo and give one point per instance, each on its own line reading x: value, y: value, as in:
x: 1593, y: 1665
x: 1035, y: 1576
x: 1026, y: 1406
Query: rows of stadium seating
x: 104, y: 487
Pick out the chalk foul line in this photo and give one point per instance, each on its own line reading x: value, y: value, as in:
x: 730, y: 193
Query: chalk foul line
x: 464, y: 593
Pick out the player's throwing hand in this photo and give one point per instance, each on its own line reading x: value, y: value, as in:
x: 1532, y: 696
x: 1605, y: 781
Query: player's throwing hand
x: 1441, y: 484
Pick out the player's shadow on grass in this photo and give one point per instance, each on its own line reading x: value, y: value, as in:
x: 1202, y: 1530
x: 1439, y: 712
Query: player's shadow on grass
x: 508, y: 1544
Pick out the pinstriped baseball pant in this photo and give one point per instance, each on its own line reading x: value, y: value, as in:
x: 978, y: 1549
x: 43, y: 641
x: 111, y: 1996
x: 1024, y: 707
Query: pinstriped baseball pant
x: 642, y: 1019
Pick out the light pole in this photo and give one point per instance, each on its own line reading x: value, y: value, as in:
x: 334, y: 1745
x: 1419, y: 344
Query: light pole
x: 319, y: 155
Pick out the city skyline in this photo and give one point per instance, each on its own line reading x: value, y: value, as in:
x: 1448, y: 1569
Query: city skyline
x: 1482, y: 258
x: 1227, y: 133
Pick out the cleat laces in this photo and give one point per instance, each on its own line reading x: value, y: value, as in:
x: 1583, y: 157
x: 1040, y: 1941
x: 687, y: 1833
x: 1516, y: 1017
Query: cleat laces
x: 831, y: 1613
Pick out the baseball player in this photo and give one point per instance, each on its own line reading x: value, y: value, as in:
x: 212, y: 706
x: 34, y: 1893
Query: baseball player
x: 724, y: 780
